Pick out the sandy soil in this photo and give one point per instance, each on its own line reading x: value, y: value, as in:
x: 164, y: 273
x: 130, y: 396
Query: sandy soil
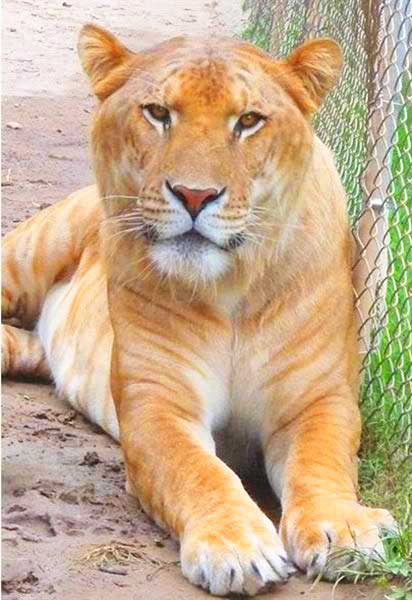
x: 63, y: 481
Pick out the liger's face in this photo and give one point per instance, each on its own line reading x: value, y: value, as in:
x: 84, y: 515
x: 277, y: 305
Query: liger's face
x: 195, y: 150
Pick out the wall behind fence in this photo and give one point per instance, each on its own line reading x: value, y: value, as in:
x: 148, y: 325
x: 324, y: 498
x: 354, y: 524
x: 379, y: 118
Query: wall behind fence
x: 367, y: 122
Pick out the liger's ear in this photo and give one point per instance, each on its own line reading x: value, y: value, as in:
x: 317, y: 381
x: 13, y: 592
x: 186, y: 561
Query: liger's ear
x: 317, y: 65
x: 104, y: 59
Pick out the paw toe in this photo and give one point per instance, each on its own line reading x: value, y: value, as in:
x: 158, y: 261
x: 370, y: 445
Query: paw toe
x: 227, y: 568
x: 318, y: 547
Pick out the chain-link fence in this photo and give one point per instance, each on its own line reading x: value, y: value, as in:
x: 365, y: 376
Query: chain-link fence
x: 367, y: 122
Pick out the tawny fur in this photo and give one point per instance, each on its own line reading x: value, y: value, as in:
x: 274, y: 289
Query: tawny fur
x: 163, y: 343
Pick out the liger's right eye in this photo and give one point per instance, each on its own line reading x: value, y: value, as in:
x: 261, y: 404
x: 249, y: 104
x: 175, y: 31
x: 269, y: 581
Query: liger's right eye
x: 159, y: 113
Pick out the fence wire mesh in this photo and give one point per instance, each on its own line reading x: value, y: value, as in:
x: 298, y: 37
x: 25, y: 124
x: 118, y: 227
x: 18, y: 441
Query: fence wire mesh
x: 367, y: 122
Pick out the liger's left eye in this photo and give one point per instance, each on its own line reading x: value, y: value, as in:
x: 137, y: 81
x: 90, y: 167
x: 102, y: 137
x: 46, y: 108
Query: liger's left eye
x: 248, y: 121
x: 158, y: 113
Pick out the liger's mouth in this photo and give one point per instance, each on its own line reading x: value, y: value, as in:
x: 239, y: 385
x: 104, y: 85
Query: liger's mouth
x: 192, y: 239
x: 195, y: 240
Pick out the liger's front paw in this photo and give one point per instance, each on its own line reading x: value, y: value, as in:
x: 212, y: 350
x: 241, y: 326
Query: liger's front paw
x: 241, y: 554
x: 314, y: 535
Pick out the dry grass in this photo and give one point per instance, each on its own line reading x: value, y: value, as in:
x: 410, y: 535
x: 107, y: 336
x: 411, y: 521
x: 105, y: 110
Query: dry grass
x: 120, y: 554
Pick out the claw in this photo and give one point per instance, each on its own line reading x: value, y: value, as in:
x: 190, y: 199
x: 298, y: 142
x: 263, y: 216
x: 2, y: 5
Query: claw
x: 329, y: 537
x: 256, y: 570
x: 292, y: 568
x: 272, y: 566
x: 314, y: 560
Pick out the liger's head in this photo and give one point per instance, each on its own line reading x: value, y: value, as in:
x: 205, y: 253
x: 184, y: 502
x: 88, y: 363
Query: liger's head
x: 199, y: 145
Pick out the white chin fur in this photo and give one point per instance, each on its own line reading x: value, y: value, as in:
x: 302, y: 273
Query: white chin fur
x: 198, y: 262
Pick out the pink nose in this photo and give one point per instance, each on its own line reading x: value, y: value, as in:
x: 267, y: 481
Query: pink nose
x: 194, y: 200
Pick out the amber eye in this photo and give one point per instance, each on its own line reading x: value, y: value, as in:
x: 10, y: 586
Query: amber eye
x: 158, y: 112
x: 248, y: 121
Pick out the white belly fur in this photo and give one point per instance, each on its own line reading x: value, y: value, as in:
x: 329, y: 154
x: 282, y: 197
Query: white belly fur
x: 81, y: 375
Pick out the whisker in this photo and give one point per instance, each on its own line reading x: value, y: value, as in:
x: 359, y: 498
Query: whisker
x: 124, y: 232
x: 126, y: 219
x: 274, y: 223
x: 138, y: 276
x: 123, y: 215
x: 120, y: 196
x: 136, y: 265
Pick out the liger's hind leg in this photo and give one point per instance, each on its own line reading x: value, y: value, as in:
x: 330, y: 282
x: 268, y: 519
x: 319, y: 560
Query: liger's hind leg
x: 22, y: 354
x: 44, y: 250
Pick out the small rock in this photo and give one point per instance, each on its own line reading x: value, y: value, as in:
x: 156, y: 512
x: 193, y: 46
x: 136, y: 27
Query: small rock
x: 103, y: 530
x: 68, y: 417
x: 41, y: 415
x: 14, y: 125
x: 7, y: 586
x: 91, y: 459
x: 67, y: 4
x: 59, y: 156
x: 18, y: 492
x: 15, y: 508
x: 63, y: 437
x: 96, y: 429
x: 112, y: 570
x: 28, y: 537
x: 115, y: 467
x: 75, y: 532
x: 37, y: 181
x: 70, y: 497
x: 45, y: 489
x: 31, y: 579
x: 12, y: 540
x: 23, y: 585
x: 88, y: 494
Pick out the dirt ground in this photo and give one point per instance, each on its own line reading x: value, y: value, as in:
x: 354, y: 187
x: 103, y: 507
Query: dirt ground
x: 63, y: 481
